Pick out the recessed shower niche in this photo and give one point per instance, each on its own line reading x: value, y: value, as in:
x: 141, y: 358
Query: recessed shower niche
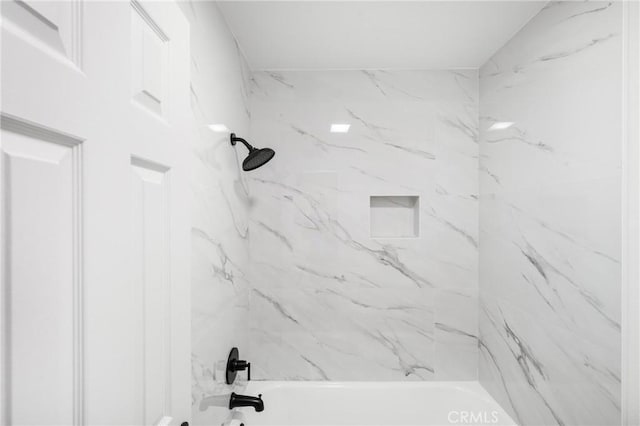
x: 394, y: 216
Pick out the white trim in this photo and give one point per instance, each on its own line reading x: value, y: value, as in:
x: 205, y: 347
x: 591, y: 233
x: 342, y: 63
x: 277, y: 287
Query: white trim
x: 631, y: 216
x: 146, y: 17
x: 78, y: 289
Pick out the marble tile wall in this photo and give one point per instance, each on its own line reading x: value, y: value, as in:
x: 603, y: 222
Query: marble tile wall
x: 220, y: 228
x: 312, y: 296
x: 328, y: 302
x: 550, y: 218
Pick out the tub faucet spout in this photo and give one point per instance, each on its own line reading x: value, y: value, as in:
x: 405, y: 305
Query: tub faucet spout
x: 246, y: 401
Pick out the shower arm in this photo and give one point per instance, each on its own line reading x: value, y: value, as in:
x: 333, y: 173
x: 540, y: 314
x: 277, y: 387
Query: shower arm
x: 235, y: 139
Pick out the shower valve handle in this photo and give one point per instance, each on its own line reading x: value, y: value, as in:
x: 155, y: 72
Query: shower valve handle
x: 241, y: 365
x: 235, y: 364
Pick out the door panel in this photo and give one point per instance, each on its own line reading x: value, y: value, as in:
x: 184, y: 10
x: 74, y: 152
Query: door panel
x: 53, y: 27
x: 151, y: 253
x: 94, y: 306
x: 42, y: 294
x: 150, y: 45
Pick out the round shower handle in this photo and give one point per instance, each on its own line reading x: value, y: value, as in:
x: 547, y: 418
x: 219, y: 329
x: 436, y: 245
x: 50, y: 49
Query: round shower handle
x: 235, y: 364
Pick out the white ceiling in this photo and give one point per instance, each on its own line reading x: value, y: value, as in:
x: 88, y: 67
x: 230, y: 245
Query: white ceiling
x: 278, y: 35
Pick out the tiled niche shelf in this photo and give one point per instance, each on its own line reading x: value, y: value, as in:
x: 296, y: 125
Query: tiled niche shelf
x: 394, y: 216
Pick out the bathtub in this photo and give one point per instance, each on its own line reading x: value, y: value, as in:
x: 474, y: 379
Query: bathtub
x: 373, y: 403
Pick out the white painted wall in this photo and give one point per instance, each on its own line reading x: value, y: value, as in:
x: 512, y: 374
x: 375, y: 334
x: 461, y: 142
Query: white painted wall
x: 631, y: 221
x: 353, y: 35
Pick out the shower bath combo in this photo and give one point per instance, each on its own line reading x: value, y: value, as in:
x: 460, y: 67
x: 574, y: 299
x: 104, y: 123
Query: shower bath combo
x: 451, y: 234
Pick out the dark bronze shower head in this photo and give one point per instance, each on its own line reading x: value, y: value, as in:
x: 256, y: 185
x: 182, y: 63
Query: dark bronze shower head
x: 257, y: 156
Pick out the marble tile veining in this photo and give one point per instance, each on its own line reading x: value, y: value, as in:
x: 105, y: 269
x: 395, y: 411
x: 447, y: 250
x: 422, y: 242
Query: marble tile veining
x: 514, y: 277
x: 550, y: 229
x: 328, y: 301
x: 220, y: 283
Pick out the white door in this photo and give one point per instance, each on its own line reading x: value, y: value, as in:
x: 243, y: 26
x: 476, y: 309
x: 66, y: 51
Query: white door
x: 94, y: 295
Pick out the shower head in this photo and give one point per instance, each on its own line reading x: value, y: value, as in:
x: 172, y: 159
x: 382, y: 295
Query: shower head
x: 257, y: 156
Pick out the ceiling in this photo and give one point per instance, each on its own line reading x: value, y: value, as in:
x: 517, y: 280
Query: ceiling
x: 279, y: 35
